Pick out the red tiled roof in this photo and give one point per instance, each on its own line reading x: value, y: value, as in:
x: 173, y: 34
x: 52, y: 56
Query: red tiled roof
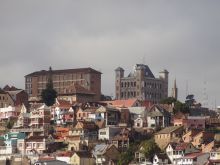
x: 36, y: 138
x: 65, y: 154
x: 194, y: 132
x: 75, y: 88
x: 64, y: 104
x: 46, y: 158
x: 62, y: 129
x: 193, y: 155
x: 146, y: 103
x: 79, y: 70
x: 181, y: 146
x: 122, y: 103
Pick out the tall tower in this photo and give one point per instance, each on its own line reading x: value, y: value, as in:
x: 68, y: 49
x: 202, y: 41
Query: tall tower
x: 119, y: 73
x: 164, y: 75
x: 205, y: 96
x: 175, y: 90
x: 140, y: 75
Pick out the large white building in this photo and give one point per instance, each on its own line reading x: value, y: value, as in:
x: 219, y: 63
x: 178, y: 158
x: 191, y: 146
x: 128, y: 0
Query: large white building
x: 141, y: 84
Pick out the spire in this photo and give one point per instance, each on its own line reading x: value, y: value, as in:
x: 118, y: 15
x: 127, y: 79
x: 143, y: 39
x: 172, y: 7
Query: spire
x: 50, y: 78
x: 175, y: 90
x: 175, y: 84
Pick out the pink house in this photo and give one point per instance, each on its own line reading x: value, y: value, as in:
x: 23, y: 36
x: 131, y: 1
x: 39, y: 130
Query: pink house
x: 40, y: 119
x: 59, y: 111
x: 34, y: 144
x: 191, y: 122
x: 9, y: 113
x: 82, y: 115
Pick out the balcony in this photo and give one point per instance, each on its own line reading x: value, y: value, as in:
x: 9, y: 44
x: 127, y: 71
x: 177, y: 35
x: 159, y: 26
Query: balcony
x: 27, y: 130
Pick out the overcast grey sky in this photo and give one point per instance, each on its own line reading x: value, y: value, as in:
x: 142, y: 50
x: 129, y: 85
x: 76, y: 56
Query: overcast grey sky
x: 181, y: 36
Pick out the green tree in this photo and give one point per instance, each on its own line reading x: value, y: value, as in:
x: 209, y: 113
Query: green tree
x: 178, y: 106
x: 127, y: 156
x: 9, y: 124
x: 150, y: 148
x: 168, y: 100
x: 49, y: 95
x: 181, y: 107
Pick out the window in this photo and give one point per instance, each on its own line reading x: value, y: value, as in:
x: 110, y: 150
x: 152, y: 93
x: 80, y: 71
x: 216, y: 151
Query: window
x: 102, y: 133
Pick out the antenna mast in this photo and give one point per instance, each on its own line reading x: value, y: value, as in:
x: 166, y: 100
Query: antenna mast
x: 205, y: 95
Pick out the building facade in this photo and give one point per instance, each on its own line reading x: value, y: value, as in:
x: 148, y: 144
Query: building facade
x: 5, y: 99
x: 9, y: 113
x: 11, y: 96
x: 141, y: 84
x: 63, y: 80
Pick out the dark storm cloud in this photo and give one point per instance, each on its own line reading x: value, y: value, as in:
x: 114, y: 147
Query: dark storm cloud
x: 181, y: 36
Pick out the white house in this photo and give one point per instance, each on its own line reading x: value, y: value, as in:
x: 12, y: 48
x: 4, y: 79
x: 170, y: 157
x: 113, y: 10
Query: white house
x: 23, y: 118
x: 193, y: 158
x: 140, y: 122
x: 10, y: 142
x: 108, y: 133
x: 157, y: 116
x: 137, y: 112
x: 177, y: 150
x: 8, y: 112
x: 215, y: 154
x: 161, y: 158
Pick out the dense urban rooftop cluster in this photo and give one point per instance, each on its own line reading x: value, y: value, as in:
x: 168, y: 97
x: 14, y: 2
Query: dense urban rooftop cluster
x: 141, y: 126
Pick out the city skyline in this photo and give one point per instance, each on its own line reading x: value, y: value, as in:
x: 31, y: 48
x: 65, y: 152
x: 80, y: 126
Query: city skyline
x: 182, y: 37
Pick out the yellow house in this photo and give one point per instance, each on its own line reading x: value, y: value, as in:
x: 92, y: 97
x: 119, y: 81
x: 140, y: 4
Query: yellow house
x: 82, y: 158
x: 167, y: 135
x: 188, y: 136
x: 202, y: 138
